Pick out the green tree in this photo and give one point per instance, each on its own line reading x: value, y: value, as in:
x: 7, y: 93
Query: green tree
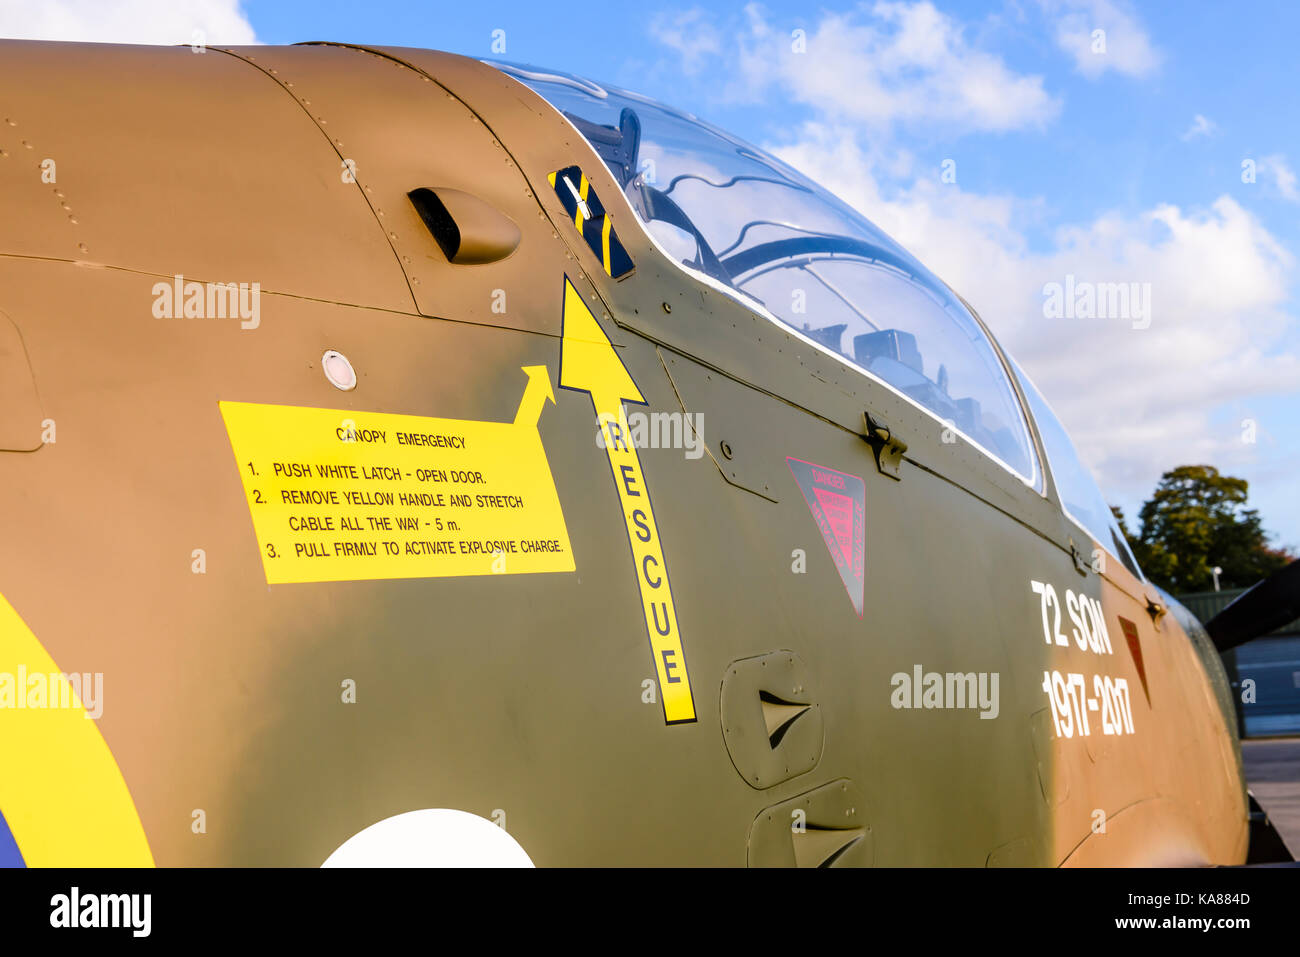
x: 1197, y: 519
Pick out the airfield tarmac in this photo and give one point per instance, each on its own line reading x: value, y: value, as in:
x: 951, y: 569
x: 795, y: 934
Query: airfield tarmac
x: 1273, y: 773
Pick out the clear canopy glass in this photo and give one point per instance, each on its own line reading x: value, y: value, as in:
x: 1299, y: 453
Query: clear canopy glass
x: 731, y: 212
x: 1081, y: 497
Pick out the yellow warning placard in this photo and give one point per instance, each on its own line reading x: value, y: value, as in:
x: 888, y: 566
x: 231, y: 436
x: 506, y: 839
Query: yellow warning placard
x: 337, y: 495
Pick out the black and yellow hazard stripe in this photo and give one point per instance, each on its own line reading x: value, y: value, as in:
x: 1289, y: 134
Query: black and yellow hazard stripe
x: 570, y: 185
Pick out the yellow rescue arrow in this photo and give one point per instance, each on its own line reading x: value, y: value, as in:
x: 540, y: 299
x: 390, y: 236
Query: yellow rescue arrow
x: 588, y: 363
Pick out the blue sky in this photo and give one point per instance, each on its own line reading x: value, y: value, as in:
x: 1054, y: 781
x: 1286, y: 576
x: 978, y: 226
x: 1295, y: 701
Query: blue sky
x: 1118, y: 164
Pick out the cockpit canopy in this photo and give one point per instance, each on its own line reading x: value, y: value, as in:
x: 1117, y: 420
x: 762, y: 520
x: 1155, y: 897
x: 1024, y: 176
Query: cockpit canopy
x: 743, y: 220
x: 746, y: 220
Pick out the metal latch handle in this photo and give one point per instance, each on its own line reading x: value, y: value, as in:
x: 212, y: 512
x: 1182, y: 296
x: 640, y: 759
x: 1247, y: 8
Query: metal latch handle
x: 889, y: 448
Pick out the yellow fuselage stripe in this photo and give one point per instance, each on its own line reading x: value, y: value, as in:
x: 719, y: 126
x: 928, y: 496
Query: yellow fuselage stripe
x: 61, y: 791
x: 582, y: 192
x: 604, y: 244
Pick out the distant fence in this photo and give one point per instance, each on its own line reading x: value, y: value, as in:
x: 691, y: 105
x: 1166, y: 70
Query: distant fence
x: 1265, y: 673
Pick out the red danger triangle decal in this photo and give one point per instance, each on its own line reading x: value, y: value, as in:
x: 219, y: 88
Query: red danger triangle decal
x: 1135, y: 649
x: 838, y: 510
x: 837, y: 501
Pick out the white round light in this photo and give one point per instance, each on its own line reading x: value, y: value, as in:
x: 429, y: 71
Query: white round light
x: 433, y: 837
x: 339, y: 371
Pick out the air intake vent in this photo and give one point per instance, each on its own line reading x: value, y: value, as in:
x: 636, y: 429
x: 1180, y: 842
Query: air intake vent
x: 771, y: 722
x: 466, y: 229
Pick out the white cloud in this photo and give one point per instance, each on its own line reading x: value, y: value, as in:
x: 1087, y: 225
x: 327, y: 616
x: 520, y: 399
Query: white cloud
x: 1122, y: 44
x: 1283, y: 176
x: 1223, y: 333
x: 893, y: 63
x: 1136, y: 401
x: 690, y: 34
x: 125, y: 21
x: 1200, y: 127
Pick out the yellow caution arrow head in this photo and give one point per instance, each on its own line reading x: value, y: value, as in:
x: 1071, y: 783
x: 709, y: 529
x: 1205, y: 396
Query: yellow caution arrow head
x: 588, y: 360
x: 535, y: 395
